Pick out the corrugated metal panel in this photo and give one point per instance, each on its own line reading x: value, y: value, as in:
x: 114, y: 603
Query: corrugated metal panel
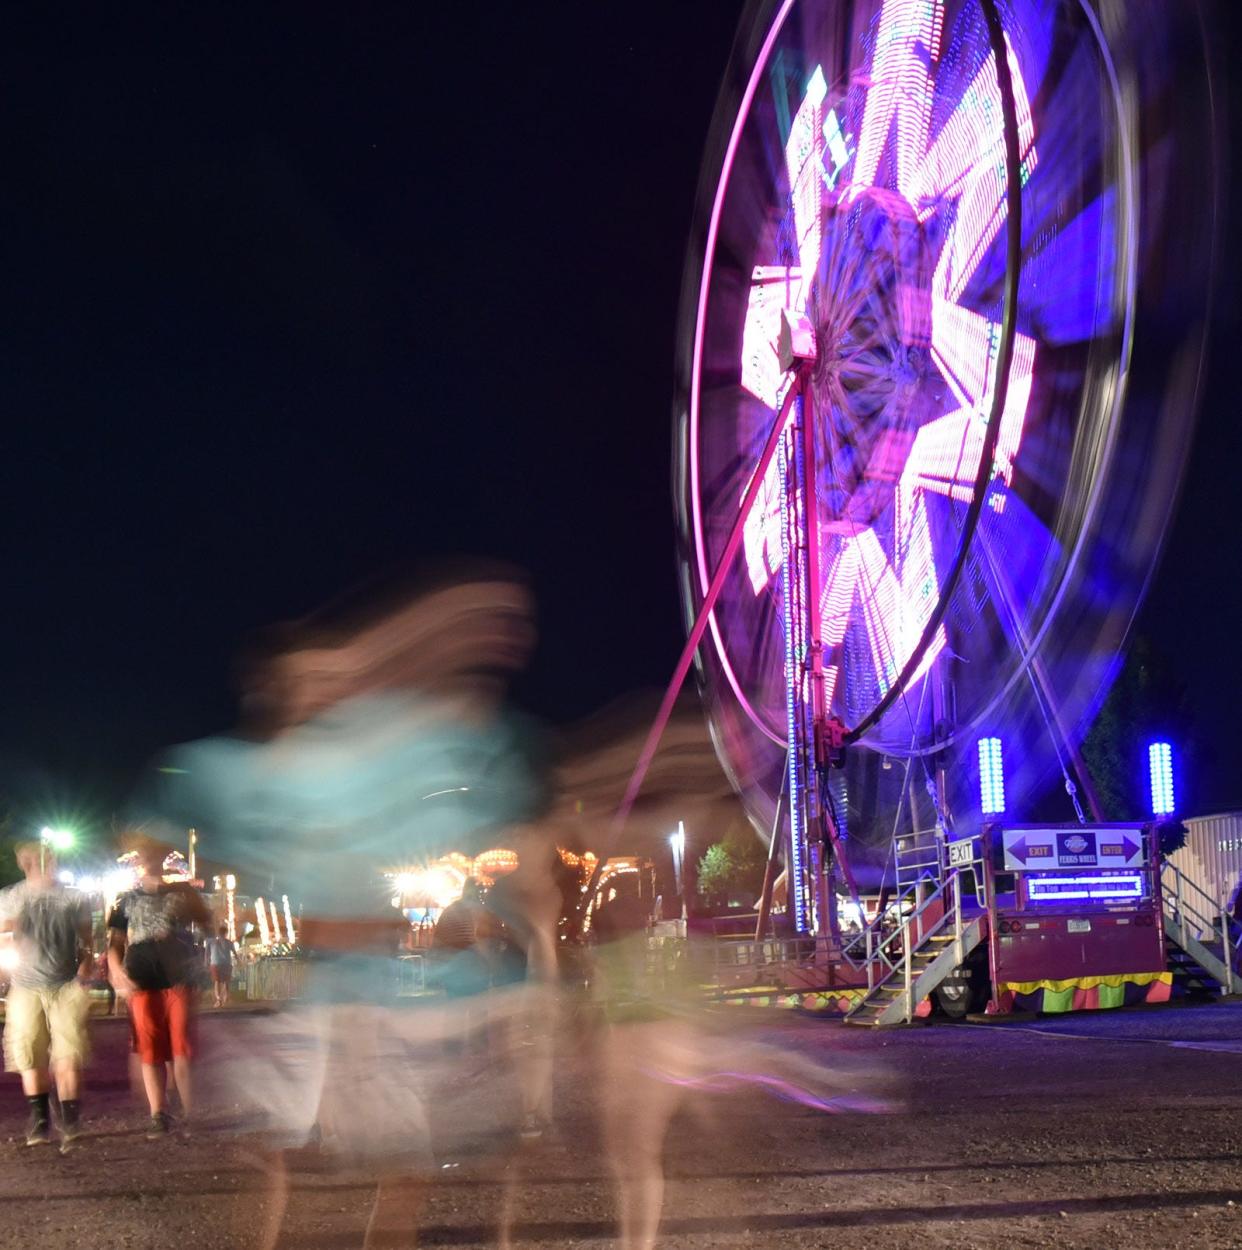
x: 1212, y: 856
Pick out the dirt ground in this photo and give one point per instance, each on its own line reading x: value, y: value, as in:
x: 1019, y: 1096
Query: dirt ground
x: 1120, y: 1129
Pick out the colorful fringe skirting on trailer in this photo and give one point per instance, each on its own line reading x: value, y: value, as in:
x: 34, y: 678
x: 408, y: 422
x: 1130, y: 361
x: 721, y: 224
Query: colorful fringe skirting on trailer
x: 832, y: 1002
x: 1085, y: 993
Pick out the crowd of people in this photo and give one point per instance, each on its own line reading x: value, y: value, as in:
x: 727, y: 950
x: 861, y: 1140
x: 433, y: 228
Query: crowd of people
x: 370, y: 746
x: 152, y: 962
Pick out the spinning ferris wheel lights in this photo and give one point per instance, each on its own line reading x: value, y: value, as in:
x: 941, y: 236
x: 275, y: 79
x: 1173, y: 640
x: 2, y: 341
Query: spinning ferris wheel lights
x: 946, y: 207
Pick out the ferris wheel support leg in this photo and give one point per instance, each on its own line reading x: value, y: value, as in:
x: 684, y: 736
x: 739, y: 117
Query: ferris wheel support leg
x: 769, y: 871
x: 810, y: 512
x: 697, y: 630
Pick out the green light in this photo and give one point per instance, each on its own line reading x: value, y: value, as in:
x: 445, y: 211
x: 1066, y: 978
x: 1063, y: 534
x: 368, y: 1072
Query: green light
x: 57, y: 839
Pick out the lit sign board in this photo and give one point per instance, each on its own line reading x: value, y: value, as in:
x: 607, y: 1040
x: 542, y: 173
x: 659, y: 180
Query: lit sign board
x: 962, y: 852
x: 1081, y: 847
x: 1121, y: 886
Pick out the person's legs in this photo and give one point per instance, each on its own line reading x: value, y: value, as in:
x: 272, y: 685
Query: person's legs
x: 637, y: 1108
x: 179, y: 1010
x: 68, y: 1081
x: 148, y: 1013
x: 68, y: 1012
x: 27, y: 1047
x: 394, y: 1217
x: 276, y: 1199
x: 35, y: 1081
x: 181, y: 1074
x: 153, y: 1087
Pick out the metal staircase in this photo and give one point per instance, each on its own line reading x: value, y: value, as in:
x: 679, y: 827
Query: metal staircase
x: 1204, y: 942
x: 911, y: 948
x: 918, y: 856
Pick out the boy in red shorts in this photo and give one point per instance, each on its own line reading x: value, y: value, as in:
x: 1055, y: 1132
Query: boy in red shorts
x: 153, y: 963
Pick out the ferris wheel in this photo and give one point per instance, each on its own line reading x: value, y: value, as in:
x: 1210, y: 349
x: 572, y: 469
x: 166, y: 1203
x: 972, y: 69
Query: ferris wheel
x: 926, y: 446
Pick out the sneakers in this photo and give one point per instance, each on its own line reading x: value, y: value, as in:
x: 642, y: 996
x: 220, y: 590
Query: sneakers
x: 70, y: 1124
x: 39, y: 1133
x: 533, y: 1127
x: 160, y: 1123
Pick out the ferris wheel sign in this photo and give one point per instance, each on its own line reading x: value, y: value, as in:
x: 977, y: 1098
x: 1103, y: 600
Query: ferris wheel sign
x: 1101, y: 846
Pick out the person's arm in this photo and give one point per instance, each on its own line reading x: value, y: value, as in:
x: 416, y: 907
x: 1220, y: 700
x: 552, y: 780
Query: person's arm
x: 8, y: 910
x: 86, y: 946
x: 117, y: 926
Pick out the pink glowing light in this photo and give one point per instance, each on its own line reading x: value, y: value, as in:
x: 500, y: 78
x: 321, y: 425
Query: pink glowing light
x: 967, y: 163
x: 962, y: 173
x: 803, y: 160
x: 696, y: 371
x: 907, y: 43
x: 773, y: 288
x: 786, y: 1091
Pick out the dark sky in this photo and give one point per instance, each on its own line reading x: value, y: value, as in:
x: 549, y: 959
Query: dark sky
x: 293, y: 295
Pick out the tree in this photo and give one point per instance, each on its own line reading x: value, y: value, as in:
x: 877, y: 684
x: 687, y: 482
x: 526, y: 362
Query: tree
x: 716, y: 869
x: 749, y: 856
x: 1147, y: 701
x: 733, y: 865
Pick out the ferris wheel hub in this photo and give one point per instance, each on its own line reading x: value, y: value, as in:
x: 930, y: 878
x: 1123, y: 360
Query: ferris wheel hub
x: 874, y: 383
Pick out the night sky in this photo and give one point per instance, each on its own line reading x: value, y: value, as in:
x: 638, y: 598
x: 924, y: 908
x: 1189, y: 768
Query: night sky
x: 295, y: 296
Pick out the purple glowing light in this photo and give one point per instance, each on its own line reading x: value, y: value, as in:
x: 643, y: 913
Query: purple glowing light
x: 892, y: 589
x: 907, y: 43
x: 786, y: 1091
x: 966, y: 164
x: 700, y: 324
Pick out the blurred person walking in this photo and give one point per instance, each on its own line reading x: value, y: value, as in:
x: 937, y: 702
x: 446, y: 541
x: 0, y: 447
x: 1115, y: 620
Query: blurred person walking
x: 374, y: 737
x: 153, y: 966
x: 220, y: 964
x: 46, y: 1011
x: 459, y: 958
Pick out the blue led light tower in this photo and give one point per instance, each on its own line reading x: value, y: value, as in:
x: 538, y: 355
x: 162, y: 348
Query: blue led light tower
x: 991, y: 777
x: 1160, y: 770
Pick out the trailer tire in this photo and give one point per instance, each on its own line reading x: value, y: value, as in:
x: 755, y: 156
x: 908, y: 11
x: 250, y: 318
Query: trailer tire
x: 962, y: 993
x: 954, y: 999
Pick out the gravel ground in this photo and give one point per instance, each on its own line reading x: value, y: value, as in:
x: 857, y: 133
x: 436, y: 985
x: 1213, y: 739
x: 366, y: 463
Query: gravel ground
x: 1106, y: 1130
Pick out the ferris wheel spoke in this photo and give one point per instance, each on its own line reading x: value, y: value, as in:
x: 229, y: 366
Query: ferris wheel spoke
x: 964, y: 348
x: 805, y: 172
x: 907, y: 43
x: 773, y: 288
x: 966, y: 164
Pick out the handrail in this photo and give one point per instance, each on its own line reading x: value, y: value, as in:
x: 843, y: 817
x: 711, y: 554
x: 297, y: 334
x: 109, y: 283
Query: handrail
x: 1215, y: 918
x: 876, y: 927
x: 905, y: 931
x: 1215, y: 909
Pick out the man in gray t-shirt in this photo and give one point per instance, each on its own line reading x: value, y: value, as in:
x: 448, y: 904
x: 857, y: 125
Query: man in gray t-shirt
x: 47, y: 1005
